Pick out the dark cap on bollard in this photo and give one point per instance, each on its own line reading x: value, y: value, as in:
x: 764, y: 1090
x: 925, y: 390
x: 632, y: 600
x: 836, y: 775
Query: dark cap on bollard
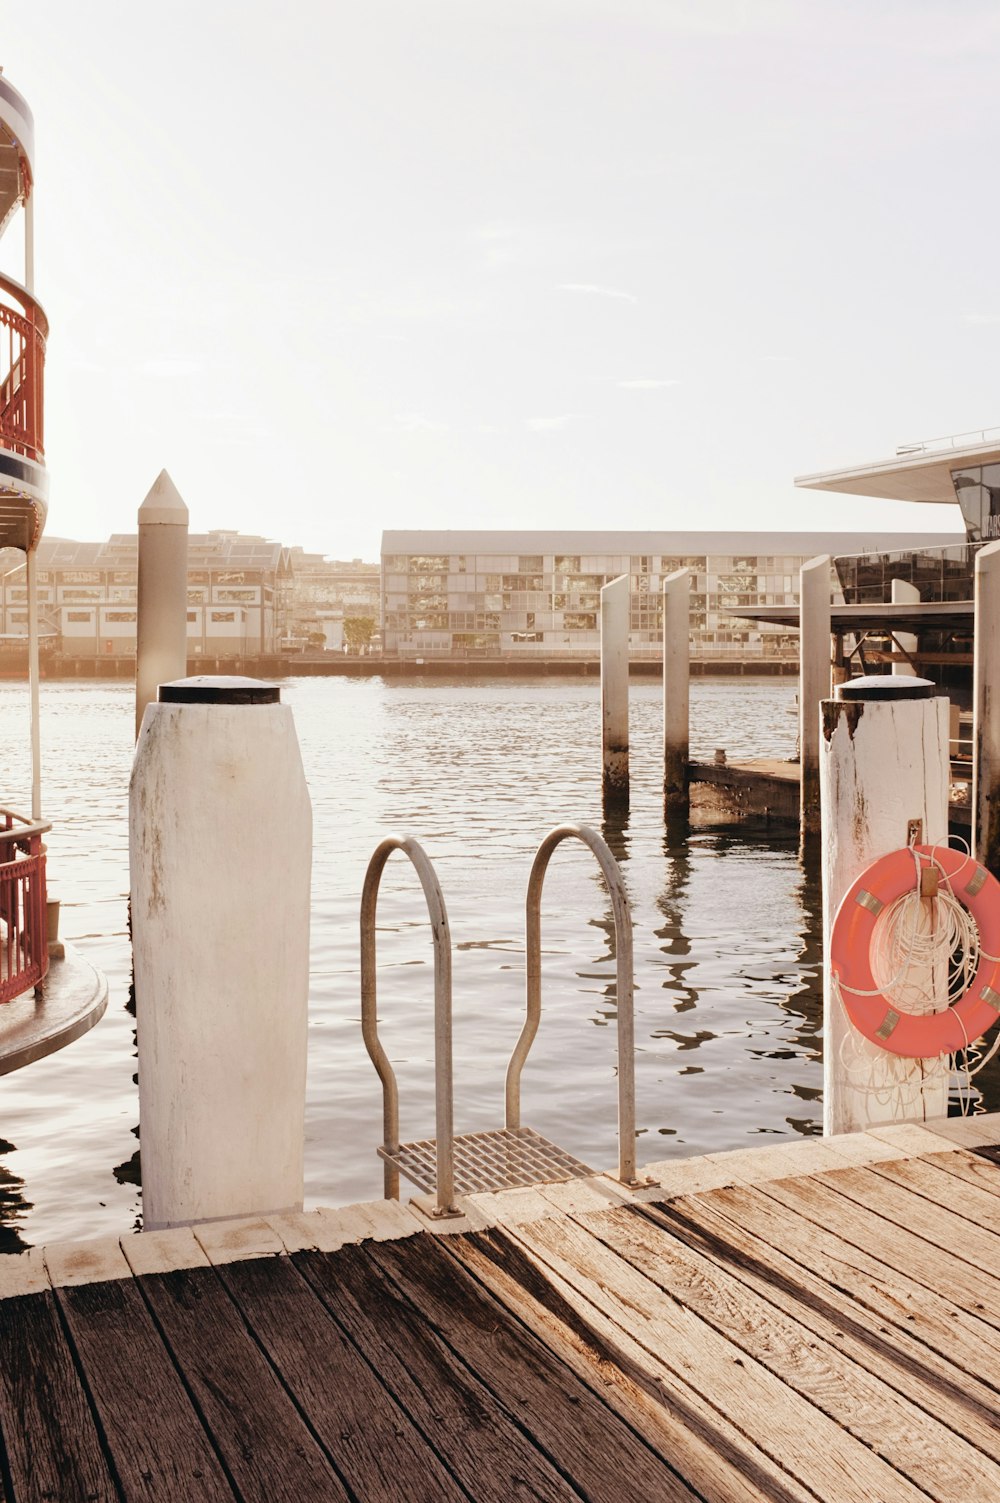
x: 886, y: 686
x: 218, y: 689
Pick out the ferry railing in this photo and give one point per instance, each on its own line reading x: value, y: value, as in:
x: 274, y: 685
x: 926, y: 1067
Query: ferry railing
x: 24, y: 952
x: 23, y: 332
x: 513, y: 1155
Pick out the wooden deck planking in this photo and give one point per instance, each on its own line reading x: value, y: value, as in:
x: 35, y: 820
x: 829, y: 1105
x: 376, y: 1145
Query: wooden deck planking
x: 760, y: 1325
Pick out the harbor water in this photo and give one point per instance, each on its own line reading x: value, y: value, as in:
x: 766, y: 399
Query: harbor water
x: 727, y: 935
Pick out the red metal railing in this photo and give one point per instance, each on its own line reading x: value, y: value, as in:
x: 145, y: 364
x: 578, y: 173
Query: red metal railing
x: 24, y: 951
x: 23, y: 331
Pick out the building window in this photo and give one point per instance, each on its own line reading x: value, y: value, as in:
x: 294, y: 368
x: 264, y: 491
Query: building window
x: 223, y: 615
x: 119, y: 615
x: 79, y: 615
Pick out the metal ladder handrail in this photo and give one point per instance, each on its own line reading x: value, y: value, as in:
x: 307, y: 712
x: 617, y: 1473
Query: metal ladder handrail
x: 624, y: 986
x: 443, y: 1082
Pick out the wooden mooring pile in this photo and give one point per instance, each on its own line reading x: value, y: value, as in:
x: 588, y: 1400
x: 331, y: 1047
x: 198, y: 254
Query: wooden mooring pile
x: 814, y: 1320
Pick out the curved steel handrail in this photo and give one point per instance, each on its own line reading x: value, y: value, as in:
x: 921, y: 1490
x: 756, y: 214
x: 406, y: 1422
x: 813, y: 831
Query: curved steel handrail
x: 443, y: 1084
x: 624, y: 987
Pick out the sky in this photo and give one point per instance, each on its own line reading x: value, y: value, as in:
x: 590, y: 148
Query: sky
x: 369, y: 264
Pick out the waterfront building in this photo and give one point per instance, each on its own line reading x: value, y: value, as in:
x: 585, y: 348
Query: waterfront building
x: 87, y: 596
x: 537, y: 594
x: 323, y: 593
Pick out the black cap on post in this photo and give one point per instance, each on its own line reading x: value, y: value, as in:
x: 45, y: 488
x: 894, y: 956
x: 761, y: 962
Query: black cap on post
x: 886, y: 686
x: 218, y: 689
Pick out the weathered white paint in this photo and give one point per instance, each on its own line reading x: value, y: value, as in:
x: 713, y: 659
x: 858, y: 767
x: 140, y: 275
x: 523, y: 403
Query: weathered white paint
x: 882, y: 764
x: 904, y: 593
x: 220, y: 845
x: 814, y: 680
x: 676, y: 690
x: 34, y: 675
x: 161, y: 603
x: 986, y: 710
x: 614, y: 690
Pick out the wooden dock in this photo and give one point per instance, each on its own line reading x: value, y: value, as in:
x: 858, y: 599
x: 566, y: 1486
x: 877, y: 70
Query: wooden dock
x: 818, y: 1320
x: 768, y: 789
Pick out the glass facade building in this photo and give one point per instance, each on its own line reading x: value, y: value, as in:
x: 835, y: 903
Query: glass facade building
x: 482, y: 594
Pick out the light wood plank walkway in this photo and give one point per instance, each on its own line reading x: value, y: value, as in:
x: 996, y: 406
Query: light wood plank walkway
x: 819, y: 1320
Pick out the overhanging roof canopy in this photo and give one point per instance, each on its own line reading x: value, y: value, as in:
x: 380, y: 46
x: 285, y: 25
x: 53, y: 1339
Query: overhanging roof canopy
x: 919, y: 472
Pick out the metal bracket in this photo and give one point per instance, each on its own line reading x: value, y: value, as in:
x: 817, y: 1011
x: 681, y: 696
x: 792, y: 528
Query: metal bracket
x: 914, y: 832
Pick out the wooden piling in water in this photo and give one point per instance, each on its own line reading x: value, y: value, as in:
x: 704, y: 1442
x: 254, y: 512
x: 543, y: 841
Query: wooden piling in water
x: 814, y: 680
x: 676, y: 691
x: 904, y: 593
x: 614, y: 691
x: 986, y: 711
x: 161, y: 597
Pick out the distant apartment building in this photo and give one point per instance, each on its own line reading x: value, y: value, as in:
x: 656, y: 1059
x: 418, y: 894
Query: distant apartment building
x: 321, y: 593
x: 500, y: 594
x: 87, y: 595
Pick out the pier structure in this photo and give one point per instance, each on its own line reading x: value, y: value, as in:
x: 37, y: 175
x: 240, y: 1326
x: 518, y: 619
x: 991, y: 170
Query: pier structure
x: 813, y: 1320
x: 986, y: 710
x: 814, y: 682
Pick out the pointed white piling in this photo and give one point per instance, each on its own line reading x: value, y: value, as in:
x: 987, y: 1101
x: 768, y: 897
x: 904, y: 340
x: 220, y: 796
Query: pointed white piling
x: 904, y: 593
x: 884, y: 767
x: 814, y: 680
x: 614, y: 690
x: 161, y: 606
x: 986, y: 710
x: 676, y: 690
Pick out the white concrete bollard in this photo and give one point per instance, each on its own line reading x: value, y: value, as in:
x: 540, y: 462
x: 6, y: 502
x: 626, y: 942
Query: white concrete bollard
x: 814, y: 680
x: 615, y: 606
x: 904, y: 593
x: 161, y: 596
x: 676, y: 690
x: 986, y: 710
x: 883, y: 764
x: 220, y: 847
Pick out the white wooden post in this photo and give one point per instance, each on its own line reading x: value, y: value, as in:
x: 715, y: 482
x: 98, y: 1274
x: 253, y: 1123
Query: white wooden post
x: 161, y: 608
x: 220, y: 842
x: 986, y: 710
x: 904, y: 593
x: 883, y: 764
x: 814, y: 680
x: 676, y: 690
x: 615, y: 605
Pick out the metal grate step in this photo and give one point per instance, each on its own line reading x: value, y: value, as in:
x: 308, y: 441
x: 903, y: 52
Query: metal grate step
x: 499, y: 1160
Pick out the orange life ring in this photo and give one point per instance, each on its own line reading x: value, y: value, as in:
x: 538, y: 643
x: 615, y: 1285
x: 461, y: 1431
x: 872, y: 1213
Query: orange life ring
x: 916, y: 1037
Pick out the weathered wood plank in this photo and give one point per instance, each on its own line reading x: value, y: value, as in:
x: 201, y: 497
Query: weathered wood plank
x: 954, y: 1193
x: 372, y: 1443
x: 897, y: 1203
x: 896, y: 1247
x: 263, y: 1441
x: 605, y: 1459
x: 938, y: 1385
x: 895, y: 1299
x: 487, y: 1453
x: 157, y: 1443
x: 52, y: 1443
x: 787, y: 1426
x: 907, y: 1437
x: 717, y: 1458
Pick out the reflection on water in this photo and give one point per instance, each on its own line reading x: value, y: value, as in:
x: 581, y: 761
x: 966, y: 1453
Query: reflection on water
x: 727, y: 935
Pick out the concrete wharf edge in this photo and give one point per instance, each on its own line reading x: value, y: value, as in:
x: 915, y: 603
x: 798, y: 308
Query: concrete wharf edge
x: 817, y: 1319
